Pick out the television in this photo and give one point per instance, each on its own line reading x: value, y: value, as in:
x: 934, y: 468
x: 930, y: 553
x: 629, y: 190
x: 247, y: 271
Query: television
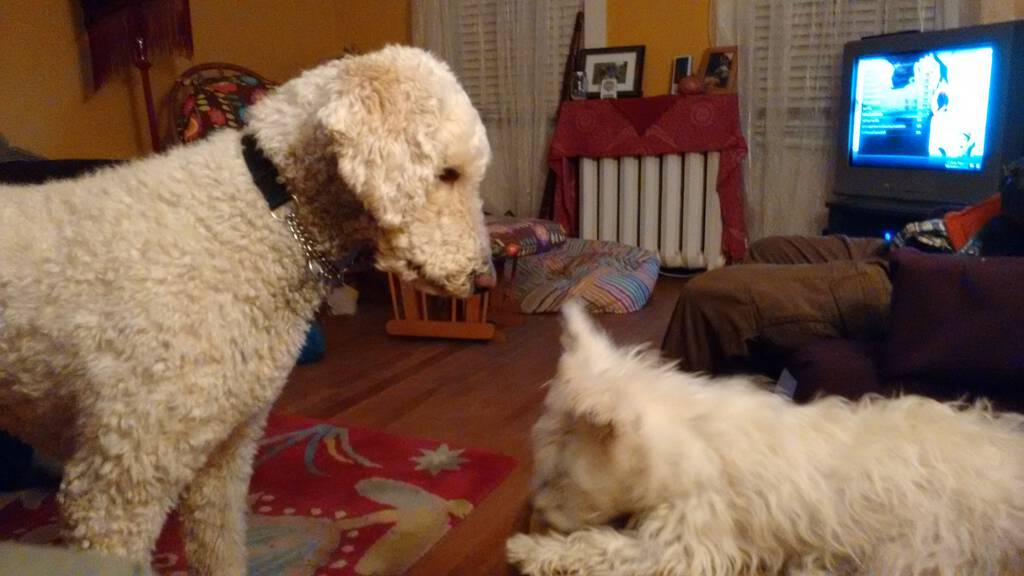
x: 928, y: 119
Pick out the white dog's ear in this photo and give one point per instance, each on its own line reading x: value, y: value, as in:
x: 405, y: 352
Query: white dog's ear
x: 591, y: 371
x: 381, y: 138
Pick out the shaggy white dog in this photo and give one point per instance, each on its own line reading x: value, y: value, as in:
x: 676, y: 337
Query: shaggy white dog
x: 151, y: 312
x: 721, y: 477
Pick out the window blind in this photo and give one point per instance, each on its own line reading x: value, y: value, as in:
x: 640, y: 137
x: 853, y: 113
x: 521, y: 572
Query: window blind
x: 797, y: 57
x: 485, y: 54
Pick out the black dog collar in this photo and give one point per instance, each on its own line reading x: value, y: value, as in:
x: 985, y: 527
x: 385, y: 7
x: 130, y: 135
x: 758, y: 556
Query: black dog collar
x: 264, y: 174
x: 267, y: 179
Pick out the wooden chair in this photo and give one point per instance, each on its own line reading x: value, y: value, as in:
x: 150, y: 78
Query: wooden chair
x: 476, y: 318
x: 417, y: 313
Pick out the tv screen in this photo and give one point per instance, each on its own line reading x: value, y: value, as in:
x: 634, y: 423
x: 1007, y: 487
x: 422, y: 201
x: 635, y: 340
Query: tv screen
x: 923, y: 109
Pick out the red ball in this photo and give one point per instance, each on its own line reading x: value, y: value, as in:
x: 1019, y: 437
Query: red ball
x: 690, y: 85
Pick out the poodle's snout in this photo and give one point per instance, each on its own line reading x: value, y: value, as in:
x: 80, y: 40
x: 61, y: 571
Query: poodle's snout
x: 485, y: 281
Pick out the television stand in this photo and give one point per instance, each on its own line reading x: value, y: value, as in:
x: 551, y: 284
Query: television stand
x: 872, y: 217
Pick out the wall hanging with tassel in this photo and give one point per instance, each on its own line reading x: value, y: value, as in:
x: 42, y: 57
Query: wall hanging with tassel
x: 126, y: 33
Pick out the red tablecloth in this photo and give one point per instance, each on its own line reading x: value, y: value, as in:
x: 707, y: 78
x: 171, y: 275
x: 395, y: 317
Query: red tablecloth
x: 652, y: 127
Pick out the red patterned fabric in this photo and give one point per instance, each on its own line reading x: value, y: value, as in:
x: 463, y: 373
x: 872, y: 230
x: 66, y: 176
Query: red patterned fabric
x: 215, y: 103
x: 324, y: 500
x: 642, y: 112
x: 681, y: 124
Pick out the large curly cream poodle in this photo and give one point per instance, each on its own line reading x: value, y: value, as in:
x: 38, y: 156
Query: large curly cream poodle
x: 151, y: 312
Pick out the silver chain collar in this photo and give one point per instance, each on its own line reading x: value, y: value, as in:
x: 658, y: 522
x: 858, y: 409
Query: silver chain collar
x: 322, y: 268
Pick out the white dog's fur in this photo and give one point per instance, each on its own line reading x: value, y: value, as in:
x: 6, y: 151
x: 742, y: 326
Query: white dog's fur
x: 721, y: 477
x: 151, y: 312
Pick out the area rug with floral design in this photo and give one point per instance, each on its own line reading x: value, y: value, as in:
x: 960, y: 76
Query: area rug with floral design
x: 324, y: 500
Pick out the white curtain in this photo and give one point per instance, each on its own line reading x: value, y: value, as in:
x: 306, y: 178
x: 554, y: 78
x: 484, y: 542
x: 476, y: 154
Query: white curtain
x: 789, y: 81
x: 509, y: 56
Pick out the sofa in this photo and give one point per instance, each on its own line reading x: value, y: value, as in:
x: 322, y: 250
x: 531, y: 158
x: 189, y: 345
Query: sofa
x: 956, y: 333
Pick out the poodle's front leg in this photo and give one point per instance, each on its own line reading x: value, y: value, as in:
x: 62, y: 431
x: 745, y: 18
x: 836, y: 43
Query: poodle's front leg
x: 213, y: 506
x: 592, y: 552
x: 126, y: 473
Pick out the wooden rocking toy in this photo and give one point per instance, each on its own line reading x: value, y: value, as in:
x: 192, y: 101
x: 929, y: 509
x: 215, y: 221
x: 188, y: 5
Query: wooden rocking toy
x: 420, y: 314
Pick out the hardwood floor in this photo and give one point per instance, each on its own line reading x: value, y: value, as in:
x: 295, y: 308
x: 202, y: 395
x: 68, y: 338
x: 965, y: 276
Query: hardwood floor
x: 484, y: 395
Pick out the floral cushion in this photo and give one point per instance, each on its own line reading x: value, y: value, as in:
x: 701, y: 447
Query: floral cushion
x: 607, y: 276
x: 511, y: 237
x: 221, y: 102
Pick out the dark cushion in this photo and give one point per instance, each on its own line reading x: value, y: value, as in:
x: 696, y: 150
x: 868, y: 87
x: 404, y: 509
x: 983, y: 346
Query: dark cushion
x: 957, y: 319
x: 39, y: 171
x: 851, y: 369
x: 836, y: 367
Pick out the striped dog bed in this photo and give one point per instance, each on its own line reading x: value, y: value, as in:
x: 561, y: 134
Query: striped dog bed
x: 608, y: 277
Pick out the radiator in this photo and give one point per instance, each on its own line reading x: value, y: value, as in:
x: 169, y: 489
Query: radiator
x: 668, y: 204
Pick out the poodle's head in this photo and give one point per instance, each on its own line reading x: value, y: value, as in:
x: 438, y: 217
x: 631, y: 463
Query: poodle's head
x: 589, y: 457
x: 394, y: 129
x: 413, y: 149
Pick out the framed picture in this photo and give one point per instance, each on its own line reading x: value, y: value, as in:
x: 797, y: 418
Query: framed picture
x: 681, y: 68
x: 623, y: 63
x: 720, y: 68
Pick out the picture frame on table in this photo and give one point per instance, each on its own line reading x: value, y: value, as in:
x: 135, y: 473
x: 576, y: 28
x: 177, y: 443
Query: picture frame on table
x: 682, y: 66
x: 623, y: 63
x: 719, y: 69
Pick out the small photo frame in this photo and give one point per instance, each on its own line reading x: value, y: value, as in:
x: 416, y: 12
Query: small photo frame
x: 681, y: 68
x: 609, y: 87
x: 624, y: 63
x: 720, y: 68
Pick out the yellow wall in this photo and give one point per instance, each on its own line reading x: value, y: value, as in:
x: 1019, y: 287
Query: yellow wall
x: 46, y: 104
x: 669, y: 28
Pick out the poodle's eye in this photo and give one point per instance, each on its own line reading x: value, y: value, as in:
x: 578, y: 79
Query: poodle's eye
x: 450, y: 175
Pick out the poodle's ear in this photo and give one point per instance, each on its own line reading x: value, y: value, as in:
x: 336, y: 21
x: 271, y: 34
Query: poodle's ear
x: 380, y: 138
x: 593, y: 374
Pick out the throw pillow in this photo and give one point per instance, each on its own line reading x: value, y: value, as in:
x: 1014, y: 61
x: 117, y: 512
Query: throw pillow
x: 956, y: 318
x: 512, y: 237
